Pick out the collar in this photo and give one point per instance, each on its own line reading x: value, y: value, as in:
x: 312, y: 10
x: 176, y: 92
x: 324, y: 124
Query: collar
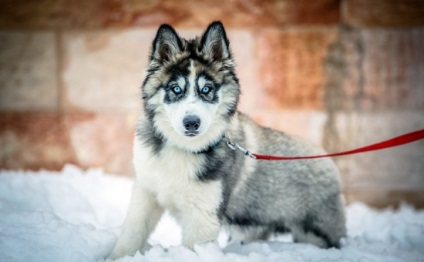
x: 212, y: 146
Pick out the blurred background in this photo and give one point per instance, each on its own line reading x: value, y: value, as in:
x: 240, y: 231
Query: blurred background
x: 341, y: 73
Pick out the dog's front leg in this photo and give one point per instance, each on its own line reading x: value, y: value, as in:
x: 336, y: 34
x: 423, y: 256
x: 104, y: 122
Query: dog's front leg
x: 142, y: 216
x: 199, y: 226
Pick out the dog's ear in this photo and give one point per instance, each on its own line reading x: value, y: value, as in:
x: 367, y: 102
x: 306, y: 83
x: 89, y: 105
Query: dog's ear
x: 215, y: 43
x: 167, y: 43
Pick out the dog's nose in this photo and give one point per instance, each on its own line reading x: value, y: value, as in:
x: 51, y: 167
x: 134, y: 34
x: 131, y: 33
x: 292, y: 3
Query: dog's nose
x: 191, y: 123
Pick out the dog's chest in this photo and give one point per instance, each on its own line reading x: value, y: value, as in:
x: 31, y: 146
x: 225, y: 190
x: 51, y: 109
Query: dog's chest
x: 171, y: 176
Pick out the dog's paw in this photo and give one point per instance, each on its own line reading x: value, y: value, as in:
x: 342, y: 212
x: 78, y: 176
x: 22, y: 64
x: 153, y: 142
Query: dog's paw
x: 116, y: 255
x: 121, y: 251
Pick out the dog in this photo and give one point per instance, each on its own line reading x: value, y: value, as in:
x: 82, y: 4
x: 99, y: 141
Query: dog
x: 183, y: 164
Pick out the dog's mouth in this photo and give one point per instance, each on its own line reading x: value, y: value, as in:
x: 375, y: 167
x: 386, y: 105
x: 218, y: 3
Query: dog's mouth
x: 191, y: 133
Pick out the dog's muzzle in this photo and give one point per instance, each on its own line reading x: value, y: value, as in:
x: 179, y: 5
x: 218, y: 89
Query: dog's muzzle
x: 191, y: 124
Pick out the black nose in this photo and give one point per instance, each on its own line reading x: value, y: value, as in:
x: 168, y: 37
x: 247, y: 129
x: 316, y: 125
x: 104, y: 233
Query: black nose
x: 191, y: 123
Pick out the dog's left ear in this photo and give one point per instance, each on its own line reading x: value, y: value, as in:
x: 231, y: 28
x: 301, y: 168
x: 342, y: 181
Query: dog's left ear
x: 167, y: 43
x: 215, y: 43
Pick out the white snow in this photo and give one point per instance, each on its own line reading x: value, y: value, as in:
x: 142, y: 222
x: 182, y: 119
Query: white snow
x: 75, y: 216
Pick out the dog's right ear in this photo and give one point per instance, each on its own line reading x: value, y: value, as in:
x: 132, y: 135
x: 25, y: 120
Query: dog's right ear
x: 215, y: 43
x: 167, y: 43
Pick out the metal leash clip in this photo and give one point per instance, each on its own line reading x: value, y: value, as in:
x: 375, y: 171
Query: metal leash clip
x: 235, y: 146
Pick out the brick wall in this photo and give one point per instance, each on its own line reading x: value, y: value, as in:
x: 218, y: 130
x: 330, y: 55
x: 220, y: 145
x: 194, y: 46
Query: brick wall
x: 339, y: 73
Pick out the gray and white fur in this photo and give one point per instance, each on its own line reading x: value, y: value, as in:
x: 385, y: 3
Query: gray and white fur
x: 183, y: 164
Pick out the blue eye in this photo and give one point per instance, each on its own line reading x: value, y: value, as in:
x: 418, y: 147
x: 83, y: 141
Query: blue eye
x: 205, y: 90
x: 177, y: 90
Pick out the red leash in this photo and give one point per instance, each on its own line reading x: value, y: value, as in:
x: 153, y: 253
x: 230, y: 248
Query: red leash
x: 393, y: 142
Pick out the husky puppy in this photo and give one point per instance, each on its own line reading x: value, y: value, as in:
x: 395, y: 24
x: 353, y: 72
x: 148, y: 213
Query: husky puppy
x: 183, y: 164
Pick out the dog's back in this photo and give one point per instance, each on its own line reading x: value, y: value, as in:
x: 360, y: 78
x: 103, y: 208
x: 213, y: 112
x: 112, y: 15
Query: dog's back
x: 302, y: 196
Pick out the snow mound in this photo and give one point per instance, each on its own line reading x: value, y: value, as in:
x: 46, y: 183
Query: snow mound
x: 74, y: 215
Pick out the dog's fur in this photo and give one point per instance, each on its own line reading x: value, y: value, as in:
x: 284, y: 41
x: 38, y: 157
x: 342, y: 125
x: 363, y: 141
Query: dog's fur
x: 183, y: 164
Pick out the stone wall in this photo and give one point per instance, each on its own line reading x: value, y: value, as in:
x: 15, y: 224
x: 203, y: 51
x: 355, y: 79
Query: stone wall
x: 340, y: 73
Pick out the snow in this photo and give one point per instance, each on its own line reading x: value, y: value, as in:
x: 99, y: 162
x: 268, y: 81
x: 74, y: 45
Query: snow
x: 75, y: 215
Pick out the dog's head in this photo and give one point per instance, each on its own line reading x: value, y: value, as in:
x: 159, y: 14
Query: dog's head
x: 191, y: 90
